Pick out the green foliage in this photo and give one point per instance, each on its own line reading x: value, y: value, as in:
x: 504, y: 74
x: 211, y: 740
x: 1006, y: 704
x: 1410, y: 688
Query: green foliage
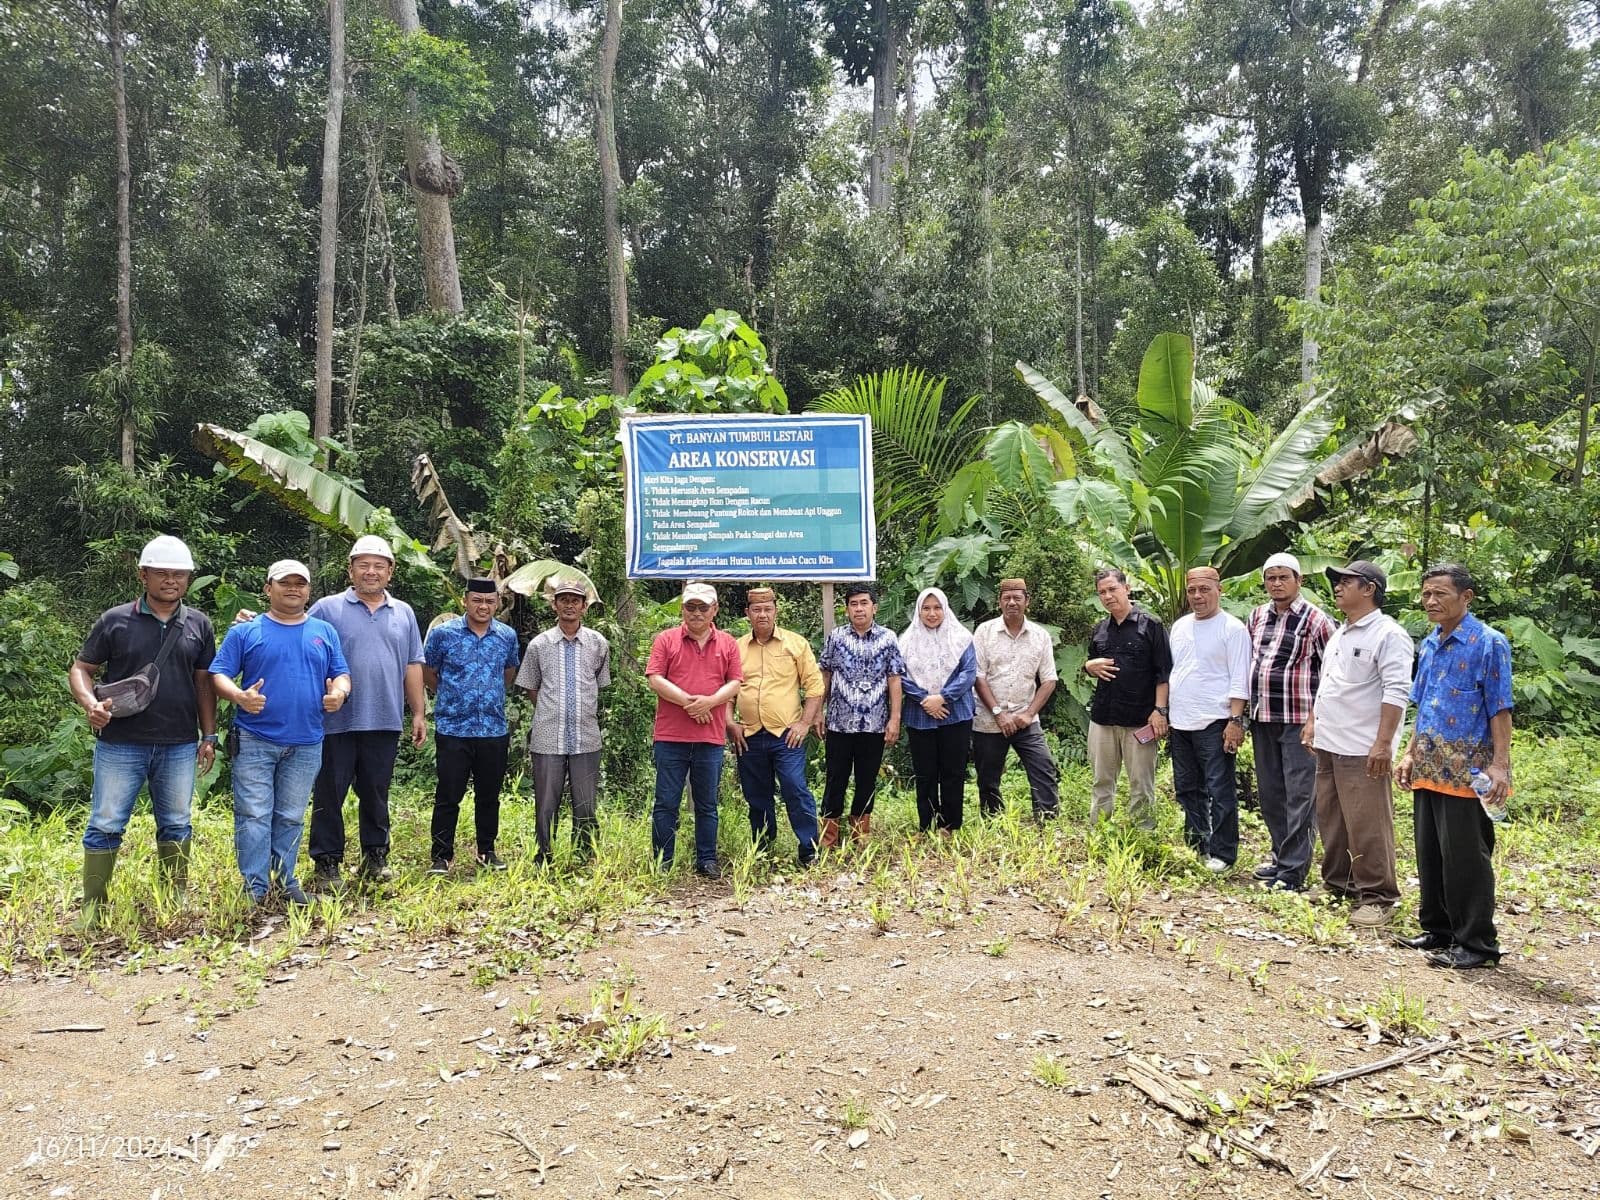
x: 1190, y: 482
x: 449, y: 85
x: 46, y: 760
x: 721, y: 366
x: 916, y: 446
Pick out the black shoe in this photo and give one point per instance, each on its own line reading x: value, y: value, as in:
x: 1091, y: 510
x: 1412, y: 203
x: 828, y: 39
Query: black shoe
x: 1459, y: 958
x: 1267, y: 871
x: 1281, y: 883
x: 374, y: 866
x: 710, y: 870
x: 1426, y: 941
x: 326, y: 876
x: 491, y: 862
x: 439, y: 866
x: 295, y: 896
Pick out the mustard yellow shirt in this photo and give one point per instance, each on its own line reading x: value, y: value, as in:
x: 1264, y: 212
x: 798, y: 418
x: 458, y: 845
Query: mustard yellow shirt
x: 776, y: 672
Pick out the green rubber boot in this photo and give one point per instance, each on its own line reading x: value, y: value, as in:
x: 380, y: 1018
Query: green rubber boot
x: 97, y: 868
x: 172, y: 865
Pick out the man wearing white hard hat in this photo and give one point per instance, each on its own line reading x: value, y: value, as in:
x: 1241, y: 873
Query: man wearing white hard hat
x: 1287, y: 637
x: 145, y: 712
x: 383, y: 645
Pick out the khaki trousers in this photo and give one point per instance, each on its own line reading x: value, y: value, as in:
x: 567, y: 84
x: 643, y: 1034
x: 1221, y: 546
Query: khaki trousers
x: 1112, y: 747
x: 1355, y: 816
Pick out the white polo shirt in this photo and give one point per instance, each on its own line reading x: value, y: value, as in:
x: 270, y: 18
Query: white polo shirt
x: 1367, y: 664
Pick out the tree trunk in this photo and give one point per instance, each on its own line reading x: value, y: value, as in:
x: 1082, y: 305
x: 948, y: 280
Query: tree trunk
x: 119, y: 100
x: 885, y: 73
x: 979, y: 117
x: 435, y: 179
x: 1259, y: 194
x: 1313, y: 293
x: 605, y: 136
x: 328, y: 241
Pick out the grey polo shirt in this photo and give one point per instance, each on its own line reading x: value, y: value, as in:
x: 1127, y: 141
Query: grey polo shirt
x: 378, y: 646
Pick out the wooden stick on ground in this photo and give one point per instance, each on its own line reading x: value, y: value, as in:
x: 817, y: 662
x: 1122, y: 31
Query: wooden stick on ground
x: 1178, y: 1098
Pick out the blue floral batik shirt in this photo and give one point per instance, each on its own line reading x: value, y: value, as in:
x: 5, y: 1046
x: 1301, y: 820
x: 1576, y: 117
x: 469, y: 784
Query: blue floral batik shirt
x: 1463, y: 682
x: 471, y: 700
x: 858, y: 700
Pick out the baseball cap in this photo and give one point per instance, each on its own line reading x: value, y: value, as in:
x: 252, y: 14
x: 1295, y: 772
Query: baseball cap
x: 288, y: 566
x: 1360, y: 569
x: 703, y: 592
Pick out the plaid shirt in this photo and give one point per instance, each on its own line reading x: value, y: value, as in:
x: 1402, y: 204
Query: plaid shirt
x: 1286, y: 660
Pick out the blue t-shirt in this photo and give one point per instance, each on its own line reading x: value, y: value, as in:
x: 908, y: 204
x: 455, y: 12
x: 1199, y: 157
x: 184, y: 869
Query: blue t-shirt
x: 471, y: 699
x: 296, y: 662
x: 380, y: 645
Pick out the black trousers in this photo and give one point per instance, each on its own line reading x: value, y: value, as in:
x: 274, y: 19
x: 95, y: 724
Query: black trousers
x: 483, y: 759
x: 858, y: 754
x: 939, y: 762
x: 989, y: 756
x: 1455, y: 869
x: 365, y: 759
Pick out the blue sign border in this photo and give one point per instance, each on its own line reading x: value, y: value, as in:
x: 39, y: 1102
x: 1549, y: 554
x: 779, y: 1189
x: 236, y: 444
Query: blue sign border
x: 637, y: 426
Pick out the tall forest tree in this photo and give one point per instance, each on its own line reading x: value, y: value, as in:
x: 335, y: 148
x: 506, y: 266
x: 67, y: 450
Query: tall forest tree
x: 605, y: 135
x: 328, y: 237
x: 436, y: 179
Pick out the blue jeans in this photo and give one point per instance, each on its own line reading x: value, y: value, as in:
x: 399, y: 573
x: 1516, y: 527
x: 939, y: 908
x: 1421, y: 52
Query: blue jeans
x: 271, y: 788
x: 701, y: 764
x: 768, y: 758
x: 1202, y: 775
x: 121, y: 770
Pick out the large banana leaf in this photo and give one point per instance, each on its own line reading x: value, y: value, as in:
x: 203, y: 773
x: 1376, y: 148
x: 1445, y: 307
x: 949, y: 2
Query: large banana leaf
x: 1285, y: 467
x: 530, y: 578
x: 1166, y: 379
x: 1104, y: 443
x: 307, y: 492
x: 452, y: 532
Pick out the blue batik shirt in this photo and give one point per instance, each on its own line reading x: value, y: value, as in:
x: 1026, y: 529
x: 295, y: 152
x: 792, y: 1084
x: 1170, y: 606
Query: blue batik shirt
x: 471, y: 697
x: 858, y: 699
x: 1463, y: 682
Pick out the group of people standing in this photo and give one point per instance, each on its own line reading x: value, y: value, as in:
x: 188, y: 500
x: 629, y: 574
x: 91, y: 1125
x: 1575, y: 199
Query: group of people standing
x: 1324, y: 705
x: 322, y: 695
x: 331, y: 685
x: 957, y: 693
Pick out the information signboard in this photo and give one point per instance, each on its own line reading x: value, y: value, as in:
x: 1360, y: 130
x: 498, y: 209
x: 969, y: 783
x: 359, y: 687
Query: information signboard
x: 749, y: 497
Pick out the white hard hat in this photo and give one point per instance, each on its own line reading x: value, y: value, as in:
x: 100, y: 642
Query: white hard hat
x: 166, y: 553
x: 371, y: 543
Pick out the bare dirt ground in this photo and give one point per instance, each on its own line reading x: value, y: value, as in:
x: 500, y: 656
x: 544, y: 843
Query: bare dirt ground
x: 810, y: 1053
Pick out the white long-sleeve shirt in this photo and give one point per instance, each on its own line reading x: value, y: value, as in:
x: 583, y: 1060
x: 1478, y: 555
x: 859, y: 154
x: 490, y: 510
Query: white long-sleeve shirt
x: 1367, y: 664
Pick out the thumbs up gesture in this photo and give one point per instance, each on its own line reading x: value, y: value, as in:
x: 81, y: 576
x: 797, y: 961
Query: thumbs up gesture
x: 333, y: 697
x: 251, y: 699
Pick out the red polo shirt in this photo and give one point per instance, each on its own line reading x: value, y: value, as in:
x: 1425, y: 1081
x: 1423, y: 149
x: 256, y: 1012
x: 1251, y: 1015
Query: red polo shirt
x: 698, y: 670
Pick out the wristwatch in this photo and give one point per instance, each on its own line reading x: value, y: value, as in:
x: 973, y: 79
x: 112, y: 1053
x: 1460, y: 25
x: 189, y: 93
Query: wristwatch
x: 995, y: 710
x: 210, y: 737
x: 1163, y: 710
x: 1237, y: 719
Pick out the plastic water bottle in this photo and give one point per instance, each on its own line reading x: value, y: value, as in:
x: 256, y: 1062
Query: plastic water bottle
x: 1482, y: 786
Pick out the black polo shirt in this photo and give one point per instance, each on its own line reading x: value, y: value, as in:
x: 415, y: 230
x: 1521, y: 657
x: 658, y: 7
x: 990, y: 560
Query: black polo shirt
x: 1144, y: 659
x: 125, y: 640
